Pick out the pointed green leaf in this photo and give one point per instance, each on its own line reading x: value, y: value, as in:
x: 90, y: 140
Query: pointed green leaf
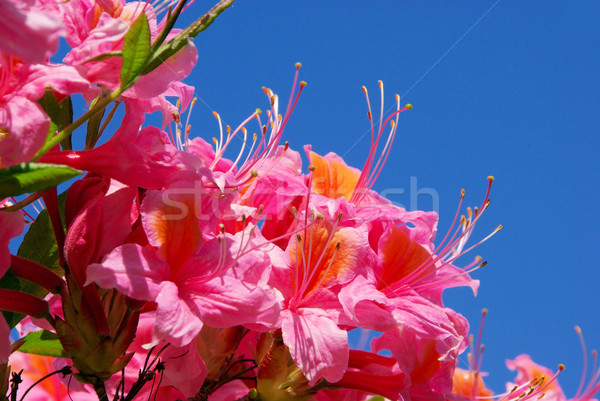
x: 104, y: 56
x: 43, y: 342
x: 60, y: 113
x: 93, y: 127
x: 33, y: 177
x: 136, y: 49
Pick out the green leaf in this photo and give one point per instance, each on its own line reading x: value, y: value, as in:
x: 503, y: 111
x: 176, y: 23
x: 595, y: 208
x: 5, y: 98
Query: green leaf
x: 43, y: 342
x: 104, y: 56
x: 60, y: 113
x: 93, y: 127
x: 33, y: 177
x: 136, y: 50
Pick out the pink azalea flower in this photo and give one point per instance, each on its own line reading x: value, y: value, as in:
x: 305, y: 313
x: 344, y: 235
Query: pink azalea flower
x: 28, y: 21
x: 534, y: 380
x: 23, y: 124
x: 99, y: 27
x: 430, y: 375
x: 527, y: 370
x: 55, y: 387
x: 183, y: 374
x: 193, y: 279
x: 319, y: 261
x: 98, y: 218
x: 375, y: 374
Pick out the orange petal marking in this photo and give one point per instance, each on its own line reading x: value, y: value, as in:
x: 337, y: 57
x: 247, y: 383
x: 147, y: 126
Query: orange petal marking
x: 332, y: 177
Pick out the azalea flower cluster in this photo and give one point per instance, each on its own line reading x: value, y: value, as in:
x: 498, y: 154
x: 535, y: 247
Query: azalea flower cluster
x: 173, y: 270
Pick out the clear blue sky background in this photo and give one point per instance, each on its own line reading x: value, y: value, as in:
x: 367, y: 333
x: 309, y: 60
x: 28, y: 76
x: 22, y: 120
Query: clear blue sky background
x: 506, y: 88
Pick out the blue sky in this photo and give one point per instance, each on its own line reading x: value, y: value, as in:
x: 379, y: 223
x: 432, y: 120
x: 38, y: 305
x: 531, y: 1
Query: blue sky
x: 501, y: 88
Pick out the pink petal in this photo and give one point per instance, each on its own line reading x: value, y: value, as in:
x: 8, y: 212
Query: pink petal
x: 133, y: 270
x: 175, y: 322
x: 64, y: 79
x: 27, y: 128
x: 368, y: 307
x: 32, y: 36
x: 317, y: 345
x: 117, y: 224
x: 431, y: 321
x: 174, y: 69
x: 106, y: 37
x: 527, y: 369
x: 227, y: 301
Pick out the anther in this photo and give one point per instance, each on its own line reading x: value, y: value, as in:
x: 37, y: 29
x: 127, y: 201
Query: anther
x: 311, y: 168
x: 408, y: 106
x: 298, y: 65
x: 254, y: 173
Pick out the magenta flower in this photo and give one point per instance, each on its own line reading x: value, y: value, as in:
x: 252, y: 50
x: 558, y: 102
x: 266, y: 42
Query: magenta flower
x: 28, y: 21
x: 23, y: 124
x: 532, y: 375
x: 98, y: 27
x: 184, y: 368
x: 430, y: 375
x: 55, y: 387
x: 319, y: 261
x: 193, y: 279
